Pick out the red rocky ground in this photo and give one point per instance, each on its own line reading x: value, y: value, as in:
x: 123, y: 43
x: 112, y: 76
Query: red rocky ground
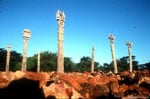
x: 52, y: 85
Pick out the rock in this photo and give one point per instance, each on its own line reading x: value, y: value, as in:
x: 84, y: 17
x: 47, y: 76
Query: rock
x: 87, y: 90
x: 100, y: 92
x: 19, y: 74
x: 69, y: 92
x: 61, y: 90
x: 72, y: 81
x: 3, y: 81
x: 82, y: 85
x: 8, y: 75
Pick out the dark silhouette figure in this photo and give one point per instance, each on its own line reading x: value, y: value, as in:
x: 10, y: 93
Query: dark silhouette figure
x: 22, y: 89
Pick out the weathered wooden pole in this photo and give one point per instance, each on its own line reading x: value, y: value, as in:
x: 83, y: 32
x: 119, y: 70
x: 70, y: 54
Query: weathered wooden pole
x: 129, y: 44
x: 60, y: 17
x: 38, y: 61
x: 7, y: 58
x: 92, y: 65
x: 26, y: 37
x: 111, y: 37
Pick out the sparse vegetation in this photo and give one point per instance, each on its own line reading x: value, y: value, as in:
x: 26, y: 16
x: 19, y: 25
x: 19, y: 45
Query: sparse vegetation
x: 49, y: 63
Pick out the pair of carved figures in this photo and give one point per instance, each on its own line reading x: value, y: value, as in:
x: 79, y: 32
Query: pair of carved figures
x: 60, y: 16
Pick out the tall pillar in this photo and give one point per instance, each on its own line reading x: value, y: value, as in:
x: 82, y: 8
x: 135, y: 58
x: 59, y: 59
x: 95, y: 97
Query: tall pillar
x: 26, y: 36
x: 7, y: 58
x: 60, y: 17
x: 38, y: 62
x: 111, y: 37
x: 129, y: 44
x: 92, y: 65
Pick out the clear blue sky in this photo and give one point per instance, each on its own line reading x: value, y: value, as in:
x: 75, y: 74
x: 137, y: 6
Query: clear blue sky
x: 88, y: 23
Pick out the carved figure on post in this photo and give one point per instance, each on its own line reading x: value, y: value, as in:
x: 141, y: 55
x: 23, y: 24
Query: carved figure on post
x: 129, y: 44
x: 8, y: 58
x: 26, y: 37
x: 111, y: 37
x: 92, y: 65
x: 60, y: 17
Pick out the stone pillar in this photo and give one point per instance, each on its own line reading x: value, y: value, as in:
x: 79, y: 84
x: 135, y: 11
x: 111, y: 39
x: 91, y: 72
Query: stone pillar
x: 111, y: 38
x: 38, y: 62
x: 129, y: 44
x: 60, y: 17
x: 92, y: 65
x: 7, y: 58
x: 26, y: 36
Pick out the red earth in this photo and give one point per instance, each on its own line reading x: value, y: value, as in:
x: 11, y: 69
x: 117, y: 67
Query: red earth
x: 53, y: 85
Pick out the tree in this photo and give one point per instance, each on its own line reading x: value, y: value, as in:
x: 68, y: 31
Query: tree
x: 2, y: 59
x: 110, y: 67
x: 147, y: 66
x: 48, y: 61
x: 96, y: 66
x: 15, y: 60
x: 69, y: 65
x: 85, y: 64
x: 105, y: 67
x: 32, y: 63
x: 135, y: 65
x: 122, y: 64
